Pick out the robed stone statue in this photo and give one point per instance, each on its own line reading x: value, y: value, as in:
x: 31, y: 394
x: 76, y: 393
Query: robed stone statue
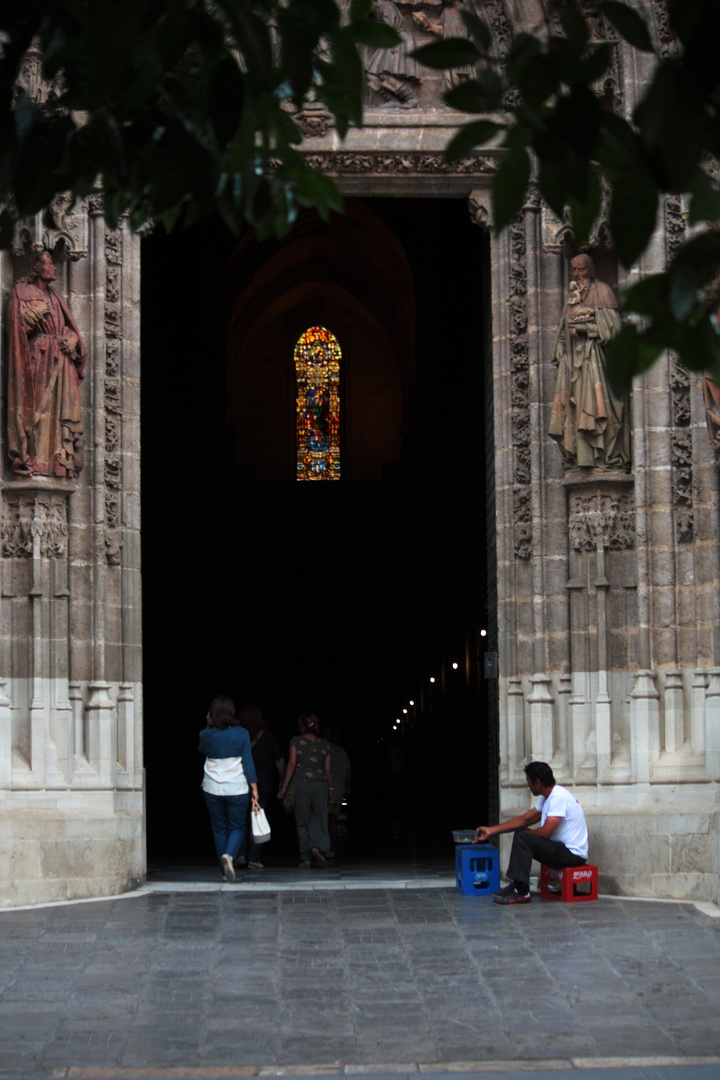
x: 47, y: 358
x: 589, y: 422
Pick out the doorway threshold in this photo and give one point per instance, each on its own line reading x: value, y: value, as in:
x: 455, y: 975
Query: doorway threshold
x: 351, y: 876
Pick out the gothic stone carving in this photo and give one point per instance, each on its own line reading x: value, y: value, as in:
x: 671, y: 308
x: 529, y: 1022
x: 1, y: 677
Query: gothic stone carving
x: 601, y: 517
x: 680, y: 388
x: 393, y: 74
x: 31, y: 82
x: 113, y: 396
x: 520, y: 391
x: 668, y: 44
x: 479, y: 209
x: 681, y: 451
x: 313, y: 120
x: 674, y: 224
x: 409, y: 164
x: 495, y: 14
x: 600, y: 30
x: 447, y: 23
x: 34, y: 525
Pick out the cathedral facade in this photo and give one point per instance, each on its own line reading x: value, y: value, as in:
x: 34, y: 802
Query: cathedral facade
x: 605, y: 559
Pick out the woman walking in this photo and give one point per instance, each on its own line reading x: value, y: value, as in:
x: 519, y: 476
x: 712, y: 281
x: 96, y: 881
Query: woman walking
x: 228, y: 779
x: 309, y: 764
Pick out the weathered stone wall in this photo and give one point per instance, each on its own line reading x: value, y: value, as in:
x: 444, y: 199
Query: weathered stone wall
x: 71, y: 776
x: 608, y: 581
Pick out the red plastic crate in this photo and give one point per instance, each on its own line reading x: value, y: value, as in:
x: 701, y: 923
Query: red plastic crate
x: 575, y: 883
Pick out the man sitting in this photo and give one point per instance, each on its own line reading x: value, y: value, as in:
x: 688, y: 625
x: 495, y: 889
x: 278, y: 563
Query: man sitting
x: 561, y: 840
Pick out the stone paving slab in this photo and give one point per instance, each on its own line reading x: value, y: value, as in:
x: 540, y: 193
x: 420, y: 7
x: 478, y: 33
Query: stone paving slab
x: 368, y: 982
x: 463, y: 1071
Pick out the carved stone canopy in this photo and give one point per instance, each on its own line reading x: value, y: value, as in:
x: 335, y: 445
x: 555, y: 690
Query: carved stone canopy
x: 601, y: 512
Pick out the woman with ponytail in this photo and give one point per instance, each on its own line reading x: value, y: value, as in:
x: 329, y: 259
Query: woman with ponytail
x: 309, y: 765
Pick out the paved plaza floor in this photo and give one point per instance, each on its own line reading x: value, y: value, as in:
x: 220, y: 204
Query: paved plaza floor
x: 357, y: 972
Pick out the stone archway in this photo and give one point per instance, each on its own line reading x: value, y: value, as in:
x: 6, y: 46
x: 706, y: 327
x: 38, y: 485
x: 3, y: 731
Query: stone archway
x: 627, y: 709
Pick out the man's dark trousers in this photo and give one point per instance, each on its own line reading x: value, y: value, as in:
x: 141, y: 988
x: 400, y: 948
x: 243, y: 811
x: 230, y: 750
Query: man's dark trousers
x: 528, y: 845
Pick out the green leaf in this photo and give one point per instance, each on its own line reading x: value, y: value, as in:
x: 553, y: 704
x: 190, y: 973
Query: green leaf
x: 360, y: 9
x: 522, y: 47
x: 552, y: 181
x: 477, y: 28
x: 633, y: 211
x: 673, y: 127
x: 648, y: 295
x: 378, y: 35
x: 595, y: 63
x: 470, y: 96
x: 469, y: 136
x: 700, y: 256
x: 27, y: 118
x: 705, y: 201
x: 583, y: 213
x: 225, y: 99
x: 575, y: 27
x: 509, y: 186
x: 538, y: 79
x: 683, y: 292
x: 628, y: 24
x: 619, y: 148
x: 699, y: 346
x: 448, y: 53
x: 577, y: 121
x: 628, y: 355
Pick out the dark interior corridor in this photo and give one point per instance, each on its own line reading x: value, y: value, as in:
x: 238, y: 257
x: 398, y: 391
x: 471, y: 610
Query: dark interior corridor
x: 348, y: 597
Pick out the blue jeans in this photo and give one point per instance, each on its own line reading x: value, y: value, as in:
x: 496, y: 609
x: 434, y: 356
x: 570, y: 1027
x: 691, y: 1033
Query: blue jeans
x: 228, y: 817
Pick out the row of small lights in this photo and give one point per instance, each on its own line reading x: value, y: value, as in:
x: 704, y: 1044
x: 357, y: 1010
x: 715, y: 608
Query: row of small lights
x: 483, y: 633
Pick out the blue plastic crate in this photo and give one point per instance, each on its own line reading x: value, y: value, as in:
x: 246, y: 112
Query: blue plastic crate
x: 477, y: 869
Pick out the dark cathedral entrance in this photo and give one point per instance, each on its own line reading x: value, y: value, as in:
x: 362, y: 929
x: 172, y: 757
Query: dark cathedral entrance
x: 351, y: 598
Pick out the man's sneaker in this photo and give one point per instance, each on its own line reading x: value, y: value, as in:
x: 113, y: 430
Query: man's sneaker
x: 510, y: 895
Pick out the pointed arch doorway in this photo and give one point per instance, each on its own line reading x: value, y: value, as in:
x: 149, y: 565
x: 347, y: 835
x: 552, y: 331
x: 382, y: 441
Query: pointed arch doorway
x: 345, y: 596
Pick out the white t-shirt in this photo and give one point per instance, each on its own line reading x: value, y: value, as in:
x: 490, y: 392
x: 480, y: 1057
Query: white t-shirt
x: 572, y: 830
x: 224, y: 776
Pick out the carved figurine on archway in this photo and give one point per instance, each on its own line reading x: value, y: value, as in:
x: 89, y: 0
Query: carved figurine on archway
x: 46, y: 363
x: 393, y: 73
x: 449, y: 25
x: 589, y: 422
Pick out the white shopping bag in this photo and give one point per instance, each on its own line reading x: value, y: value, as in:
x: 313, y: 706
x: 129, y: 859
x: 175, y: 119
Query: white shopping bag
x: 260, y: 827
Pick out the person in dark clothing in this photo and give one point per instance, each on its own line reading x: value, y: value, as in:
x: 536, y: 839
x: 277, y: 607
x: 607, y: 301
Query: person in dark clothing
x: 268, y: 757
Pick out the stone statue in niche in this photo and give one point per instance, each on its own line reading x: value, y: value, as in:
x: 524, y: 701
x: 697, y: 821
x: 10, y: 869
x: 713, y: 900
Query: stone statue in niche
x: 450, y: 25
x: 588, y: 421
x: 391, y: 72
x: 47, y: 358
x: 711, y: 395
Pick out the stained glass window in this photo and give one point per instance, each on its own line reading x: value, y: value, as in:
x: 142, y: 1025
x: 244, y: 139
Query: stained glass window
x: 317, y: 370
